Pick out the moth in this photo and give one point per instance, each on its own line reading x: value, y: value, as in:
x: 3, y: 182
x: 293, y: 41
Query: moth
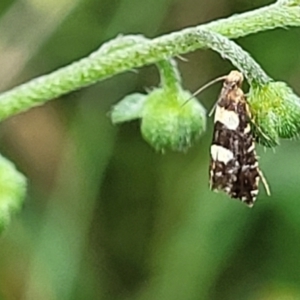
x: 234, y: 165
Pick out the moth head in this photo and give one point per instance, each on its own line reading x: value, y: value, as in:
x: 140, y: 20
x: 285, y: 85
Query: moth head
x: 234, y: 79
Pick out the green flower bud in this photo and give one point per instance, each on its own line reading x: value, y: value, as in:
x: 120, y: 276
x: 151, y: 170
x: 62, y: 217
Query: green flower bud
x: 170, y: 123
x: 276, y: 112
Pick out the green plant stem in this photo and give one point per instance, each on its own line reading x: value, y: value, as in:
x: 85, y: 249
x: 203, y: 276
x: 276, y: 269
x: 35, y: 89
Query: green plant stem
x: 170, y: 76
x: 98, y: 66
x: 237, y: 55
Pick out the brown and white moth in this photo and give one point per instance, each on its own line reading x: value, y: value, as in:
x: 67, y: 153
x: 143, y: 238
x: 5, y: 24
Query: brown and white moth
x: 234, y: 165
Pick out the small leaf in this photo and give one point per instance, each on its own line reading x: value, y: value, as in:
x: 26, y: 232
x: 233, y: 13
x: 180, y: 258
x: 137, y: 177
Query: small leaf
x: 12, y: 190
x: 130, y: 108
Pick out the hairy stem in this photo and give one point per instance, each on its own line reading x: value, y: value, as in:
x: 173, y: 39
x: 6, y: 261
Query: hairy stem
x: 99, y: 66
x: 237, y: 55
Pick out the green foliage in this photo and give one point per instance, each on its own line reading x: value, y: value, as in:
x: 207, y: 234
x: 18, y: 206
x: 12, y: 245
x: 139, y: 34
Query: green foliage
x: 166, y: 125
x: 104, y: 64
x: 12, y: 191
x: 165, y: 122
x: 127, y: 52
x: 114, y: 220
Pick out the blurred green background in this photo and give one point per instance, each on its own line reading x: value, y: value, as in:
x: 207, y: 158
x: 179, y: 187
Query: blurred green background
x: 107, y: 217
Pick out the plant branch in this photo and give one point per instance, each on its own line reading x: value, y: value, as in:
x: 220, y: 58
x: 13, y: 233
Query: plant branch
x: 99, y: 66
x: 237, y: 55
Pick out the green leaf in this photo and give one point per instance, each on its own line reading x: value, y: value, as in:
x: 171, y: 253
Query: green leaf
x: 130, y: 108
x: 12, y: 190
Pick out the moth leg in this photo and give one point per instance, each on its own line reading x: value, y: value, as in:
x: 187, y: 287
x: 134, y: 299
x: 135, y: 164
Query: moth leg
x: 264, y: 181
x: 261, y: 132
x: 213, y: 109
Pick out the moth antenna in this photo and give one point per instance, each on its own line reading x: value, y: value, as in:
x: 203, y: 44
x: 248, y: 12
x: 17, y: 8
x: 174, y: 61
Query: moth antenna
x: 197, y: 92
x: 264, y: 181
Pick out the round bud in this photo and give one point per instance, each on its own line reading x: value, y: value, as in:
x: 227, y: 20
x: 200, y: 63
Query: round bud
x: 169, y: 121
x: 276, y: 112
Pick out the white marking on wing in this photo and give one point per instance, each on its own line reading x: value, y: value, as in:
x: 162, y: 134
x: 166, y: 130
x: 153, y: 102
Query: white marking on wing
x: 228, y: 118
x: 221, y: 154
